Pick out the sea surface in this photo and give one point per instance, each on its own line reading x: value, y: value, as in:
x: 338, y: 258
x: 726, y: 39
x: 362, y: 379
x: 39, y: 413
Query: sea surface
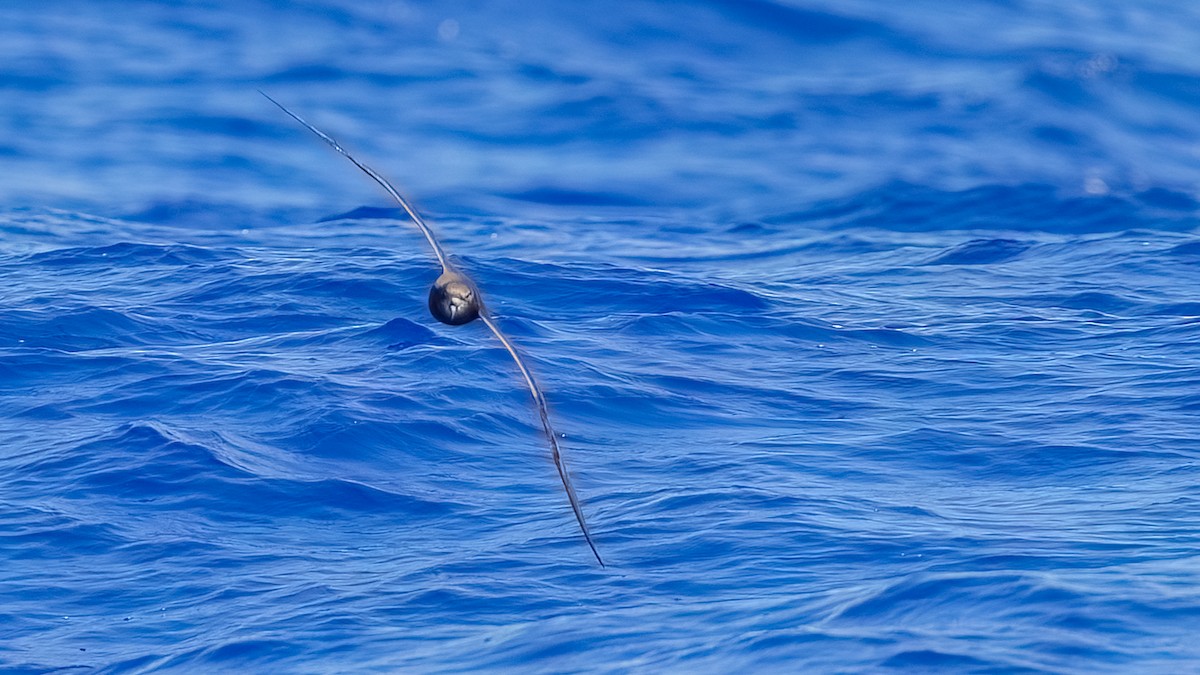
x: 871, y: 331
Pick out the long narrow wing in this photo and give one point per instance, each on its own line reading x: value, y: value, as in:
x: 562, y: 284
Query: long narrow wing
x: 437, y: 248
x: 541, y: 406
x: 441, y: 256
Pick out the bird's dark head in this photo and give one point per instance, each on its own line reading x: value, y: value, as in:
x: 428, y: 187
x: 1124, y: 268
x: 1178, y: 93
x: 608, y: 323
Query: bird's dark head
x: 454, y: 299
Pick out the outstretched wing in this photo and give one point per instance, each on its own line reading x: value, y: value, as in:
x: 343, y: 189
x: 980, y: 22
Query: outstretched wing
x: 545, y: 415
x: 437, y: 248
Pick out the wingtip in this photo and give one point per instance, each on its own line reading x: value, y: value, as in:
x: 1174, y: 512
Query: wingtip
x: 592, y: 545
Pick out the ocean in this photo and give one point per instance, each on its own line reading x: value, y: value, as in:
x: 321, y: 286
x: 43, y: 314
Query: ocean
x: 870, y: 332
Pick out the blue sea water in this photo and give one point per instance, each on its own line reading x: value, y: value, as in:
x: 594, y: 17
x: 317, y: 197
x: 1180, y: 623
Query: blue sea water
x: 871, y: 329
